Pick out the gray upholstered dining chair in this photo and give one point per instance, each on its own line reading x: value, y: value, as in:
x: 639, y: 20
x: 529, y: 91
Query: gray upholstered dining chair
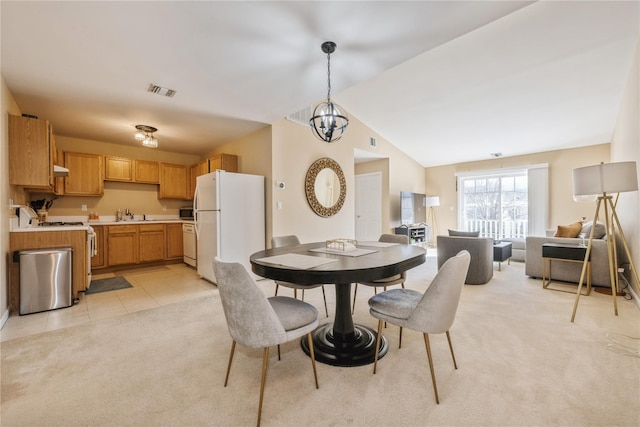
x: 292, y: 240
x: 398, y: 279
x: 259, y: 322
x: 430, y: 313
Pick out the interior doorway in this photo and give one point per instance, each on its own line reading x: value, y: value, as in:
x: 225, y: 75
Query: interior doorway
x: 368, y: 206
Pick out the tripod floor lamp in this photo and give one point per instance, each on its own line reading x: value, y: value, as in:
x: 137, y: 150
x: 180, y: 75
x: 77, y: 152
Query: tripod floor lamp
x: 600, y: 182
x: 431, y: 202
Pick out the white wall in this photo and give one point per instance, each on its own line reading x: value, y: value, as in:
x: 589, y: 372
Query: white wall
x: 294, y: 149
x: 7, y: 106
x: 625, y: 146
x: 563, y: 209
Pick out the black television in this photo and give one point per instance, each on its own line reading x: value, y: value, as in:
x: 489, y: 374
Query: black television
x: 412, y: 209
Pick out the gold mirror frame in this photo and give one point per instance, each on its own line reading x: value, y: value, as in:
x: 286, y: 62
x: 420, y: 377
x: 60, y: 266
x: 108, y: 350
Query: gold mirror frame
x: 309, y: 187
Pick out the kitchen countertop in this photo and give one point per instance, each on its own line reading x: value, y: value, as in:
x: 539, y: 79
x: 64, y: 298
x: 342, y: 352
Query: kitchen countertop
x: 133, y: 222
x: 60, y: 228
x: 93, y: 223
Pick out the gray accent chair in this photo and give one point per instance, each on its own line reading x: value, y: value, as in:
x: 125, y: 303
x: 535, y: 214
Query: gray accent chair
x: 284, y: 241
x: 480, y: 249
x: 398, y: 279
x: 430, y: 313
x: 259, y: 322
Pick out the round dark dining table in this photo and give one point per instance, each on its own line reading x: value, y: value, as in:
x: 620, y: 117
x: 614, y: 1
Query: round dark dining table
x: 341, y: 343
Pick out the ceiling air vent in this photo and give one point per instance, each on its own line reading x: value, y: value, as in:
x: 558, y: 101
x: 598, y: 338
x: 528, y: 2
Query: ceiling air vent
x: 161, y: 90
x: 301, y: 117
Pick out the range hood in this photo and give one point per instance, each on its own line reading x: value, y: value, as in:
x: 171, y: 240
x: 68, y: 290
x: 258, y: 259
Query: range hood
x: 60, y: 171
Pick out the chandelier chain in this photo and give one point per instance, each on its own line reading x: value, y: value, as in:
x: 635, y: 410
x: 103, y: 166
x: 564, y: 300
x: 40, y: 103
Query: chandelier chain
x: 329, y: 77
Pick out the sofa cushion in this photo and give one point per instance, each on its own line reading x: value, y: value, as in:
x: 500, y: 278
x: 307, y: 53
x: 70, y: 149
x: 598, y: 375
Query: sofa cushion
x: 599, y: 232
x: 571, y: 230
x: 464, y: 233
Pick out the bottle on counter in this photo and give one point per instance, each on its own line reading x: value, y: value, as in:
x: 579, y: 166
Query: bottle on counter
x: 118, y: 215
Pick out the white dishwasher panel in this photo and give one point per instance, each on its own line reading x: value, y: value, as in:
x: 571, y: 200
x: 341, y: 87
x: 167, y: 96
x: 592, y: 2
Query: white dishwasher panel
x: 189, y: 244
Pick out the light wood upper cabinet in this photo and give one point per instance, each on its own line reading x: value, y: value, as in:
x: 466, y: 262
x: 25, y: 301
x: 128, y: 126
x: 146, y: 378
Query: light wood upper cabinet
x: 147, y: 172
x: 129, y: 170
x: 201, y: 168
x: 86, y: 174
x: 31, y: 153
x: 227, y: 162
x: 173, y: 181
x: 118, y: 169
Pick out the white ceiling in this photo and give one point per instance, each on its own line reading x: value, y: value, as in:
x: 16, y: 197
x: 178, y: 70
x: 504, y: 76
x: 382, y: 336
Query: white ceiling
x: 445, y: 81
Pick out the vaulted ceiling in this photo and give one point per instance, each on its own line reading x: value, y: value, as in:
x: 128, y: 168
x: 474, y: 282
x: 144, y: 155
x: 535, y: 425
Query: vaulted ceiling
x: 444, y: 81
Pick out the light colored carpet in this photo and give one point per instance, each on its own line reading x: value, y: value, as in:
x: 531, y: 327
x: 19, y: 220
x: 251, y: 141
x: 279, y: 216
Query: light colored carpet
x: 521, y: 362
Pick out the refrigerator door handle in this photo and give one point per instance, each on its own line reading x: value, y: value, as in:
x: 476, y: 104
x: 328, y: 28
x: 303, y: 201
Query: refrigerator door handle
x: 195, y: 212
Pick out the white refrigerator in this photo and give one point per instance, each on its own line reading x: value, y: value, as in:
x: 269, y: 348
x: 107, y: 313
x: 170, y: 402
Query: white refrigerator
x: 228, y: 210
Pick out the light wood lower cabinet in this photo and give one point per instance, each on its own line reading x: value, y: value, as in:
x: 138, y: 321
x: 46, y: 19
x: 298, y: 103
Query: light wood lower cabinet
x: 174, y: 241
x: 122, y: 244
x: 137, y: 244
x: 152, y: 242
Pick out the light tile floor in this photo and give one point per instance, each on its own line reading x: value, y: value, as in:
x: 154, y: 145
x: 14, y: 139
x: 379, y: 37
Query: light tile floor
x: 152, y: 287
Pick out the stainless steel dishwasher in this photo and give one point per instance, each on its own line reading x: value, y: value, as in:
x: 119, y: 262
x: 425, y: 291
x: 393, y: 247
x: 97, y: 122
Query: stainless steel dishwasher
x: 45, y: 279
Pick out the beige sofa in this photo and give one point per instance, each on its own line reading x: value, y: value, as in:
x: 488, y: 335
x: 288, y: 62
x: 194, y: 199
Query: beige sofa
x: 570, y: 271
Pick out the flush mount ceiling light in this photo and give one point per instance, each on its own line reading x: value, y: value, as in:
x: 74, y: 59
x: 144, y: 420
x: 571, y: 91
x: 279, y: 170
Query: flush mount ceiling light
x: 144, y: 133
x: 328, y: 122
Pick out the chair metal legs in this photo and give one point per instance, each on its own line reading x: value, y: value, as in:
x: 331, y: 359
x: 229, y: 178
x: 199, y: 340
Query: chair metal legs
x: 375, y: 359
x: 233, y: 349
x: 355, y: 292
x: 313, y: 358
x: 265, y: 363
x: 433, y: 374
x: 324, y: 297
x: 429, y: 356
x: 453, y: 356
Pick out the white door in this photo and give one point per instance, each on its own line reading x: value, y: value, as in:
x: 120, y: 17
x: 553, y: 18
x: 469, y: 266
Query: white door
x: 368, y: 195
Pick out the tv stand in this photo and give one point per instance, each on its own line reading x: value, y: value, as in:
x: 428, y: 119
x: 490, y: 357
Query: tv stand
x: 418, y: 233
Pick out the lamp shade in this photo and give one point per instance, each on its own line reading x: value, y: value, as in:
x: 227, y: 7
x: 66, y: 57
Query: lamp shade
x: 617, y: 177
x: 432, y: 201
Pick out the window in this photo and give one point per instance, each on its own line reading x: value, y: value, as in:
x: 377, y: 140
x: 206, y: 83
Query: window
x: 501, y: 203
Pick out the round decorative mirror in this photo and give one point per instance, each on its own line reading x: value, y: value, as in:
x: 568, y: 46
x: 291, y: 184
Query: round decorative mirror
x: 325, y: 187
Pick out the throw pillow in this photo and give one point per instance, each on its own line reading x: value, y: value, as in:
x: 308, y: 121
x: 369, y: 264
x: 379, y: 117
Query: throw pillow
x: 571, y: 230
x: 464, y: 233
x: 599, y: 232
